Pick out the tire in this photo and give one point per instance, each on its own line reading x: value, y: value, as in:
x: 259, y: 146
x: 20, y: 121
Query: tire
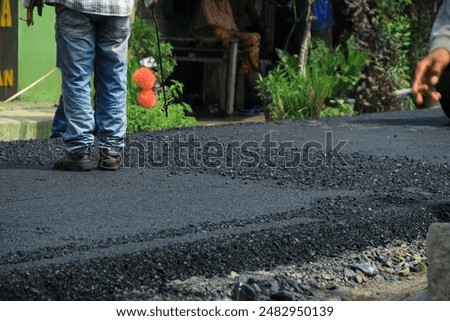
x: 445, y: 103
x: 443, y: 87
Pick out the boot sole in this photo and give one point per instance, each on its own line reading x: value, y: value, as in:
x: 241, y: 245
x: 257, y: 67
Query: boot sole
x: 108, y: 167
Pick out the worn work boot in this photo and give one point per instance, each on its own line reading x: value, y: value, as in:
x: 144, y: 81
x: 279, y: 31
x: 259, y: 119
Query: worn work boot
x: 109, y: 160
x: 74, y: 162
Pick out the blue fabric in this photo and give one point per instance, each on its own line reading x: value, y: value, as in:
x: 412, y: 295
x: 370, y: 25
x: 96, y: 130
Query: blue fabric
x: 59, y: 124
x: 323, y: 11
x: 86, y: 44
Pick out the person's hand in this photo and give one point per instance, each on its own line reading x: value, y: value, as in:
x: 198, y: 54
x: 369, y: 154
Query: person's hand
x: 428, y: 73
x: 34, y: 3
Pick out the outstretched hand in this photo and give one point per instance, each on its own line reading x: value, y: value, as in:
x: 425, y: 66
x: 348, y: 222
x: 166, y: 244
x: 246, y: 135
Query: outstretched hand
x: 428, y: 72
x: 34, y: 3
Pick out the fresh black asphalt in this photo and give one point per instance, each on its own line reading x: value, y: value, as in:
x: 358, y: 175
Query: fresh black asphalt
x: 94, y: 235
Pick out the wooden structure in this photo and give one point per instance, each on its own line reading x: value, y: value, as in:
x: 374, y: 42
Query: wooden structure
x: 211, y: 51
x: 221, y: 76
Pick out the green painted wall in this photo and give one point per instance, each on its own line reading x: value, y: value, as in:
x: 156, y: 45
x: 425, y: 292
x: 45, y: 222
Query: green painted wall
x: 37, y: 56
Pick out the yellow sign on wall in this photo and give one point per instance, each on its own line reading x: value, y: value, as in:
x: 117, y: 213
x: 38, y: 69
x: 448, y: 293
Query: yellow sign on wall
x: 9, y: 10
x: 7, y: 75
x: 7, y: 78
x: 6, y: 16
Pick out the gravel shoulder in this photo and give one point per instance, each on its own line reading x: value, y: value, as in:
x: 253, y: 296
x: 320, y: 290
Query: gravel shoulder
x: 395, y: 272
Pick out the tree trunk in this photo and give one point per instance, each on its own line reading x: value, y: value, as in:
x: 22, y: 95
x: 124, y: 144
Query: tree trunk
x: 304, y: 47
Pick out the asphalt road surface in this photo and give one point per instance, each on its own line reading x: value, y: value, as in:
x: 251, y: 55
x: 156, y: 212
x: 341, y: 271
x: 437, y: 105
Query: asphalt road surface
x: 207, y: 201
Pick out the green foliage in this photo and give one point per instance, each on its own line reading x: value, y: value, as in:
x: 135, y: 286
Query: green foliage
x: 290, y: 95
x: 374, y: 91
x: 422, y: 14
x: 344, y: 65
x: 395, y: 24
x: 341, y: 108
x: 141, y: 119
x: 143, y: 44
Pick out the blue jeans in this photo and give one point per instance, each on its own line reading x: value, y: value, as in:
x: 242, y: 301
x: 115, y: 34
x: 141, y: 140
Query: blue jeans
x: 88, y: 44
x: 59, y: 124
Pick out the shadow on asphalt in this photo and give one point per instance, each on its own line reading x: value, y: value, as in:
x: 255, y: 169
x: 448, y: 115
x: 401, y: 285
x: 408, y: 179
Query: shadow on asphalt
x: 437, y: 119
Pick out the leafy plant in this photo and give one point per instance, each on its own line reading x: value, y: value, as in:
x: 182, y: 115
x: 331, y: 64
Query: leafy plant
x: 141, y: 119
x: 142, y: 45
x: 395, y: 25
x: 289, y: 94
x: 344, y: 64
x: 340, y: 108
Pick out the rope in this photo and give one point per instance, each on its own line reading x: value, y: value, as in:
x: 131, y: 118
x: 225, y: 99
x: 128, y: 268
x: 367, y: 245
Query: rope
x: 166, y: 104
x: 29, y: 87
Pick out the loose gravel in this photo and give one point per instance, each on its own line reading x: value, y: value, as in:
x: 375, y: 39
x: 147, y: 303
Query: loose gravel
x: 363, y: 232
x: 393, y: 272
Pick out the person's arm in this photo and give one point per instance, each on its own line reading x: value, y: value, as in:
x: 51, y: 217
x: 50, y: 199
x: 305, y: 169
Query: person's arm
x: 440, y: 34
x: 34, y: 3
x: 430, y: 69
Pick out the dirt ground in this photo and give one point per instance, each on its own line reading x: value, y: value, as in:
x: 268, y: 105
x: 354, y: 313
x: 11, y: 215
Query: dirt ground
x: 413, y: 288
